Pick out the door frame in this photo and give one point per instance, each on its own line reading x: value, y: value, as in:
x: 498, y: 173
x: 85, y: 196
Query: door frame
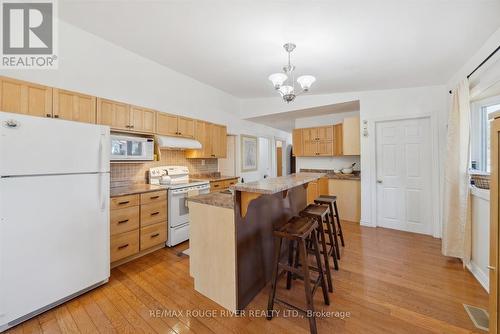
x: 284, y: 169
x: 435, y: 169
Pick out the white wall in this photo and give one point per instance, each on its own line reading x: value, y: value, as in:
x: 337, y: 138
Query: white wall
x: 92, y: 65
x: 329, y: 163
x: 480, y: 203
x: 375, y: 106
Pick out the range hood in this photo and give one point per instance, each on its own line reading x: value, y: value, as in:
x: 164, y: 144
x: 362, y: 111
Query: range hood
x: 176, y: 143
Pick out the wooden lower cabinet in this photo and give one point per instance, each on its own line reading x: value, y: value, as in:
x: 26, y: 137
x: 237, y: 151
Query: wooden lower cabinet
x: 153, y: 235
x: 348, y: 194
x: 138, y: 225
x: 222, y: 185
x: 124, y: 245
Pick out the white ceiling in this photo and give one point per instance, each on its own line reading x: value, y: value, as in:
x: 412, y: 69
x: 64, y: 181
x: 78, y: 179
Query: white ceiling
x: 286, y: 120
x: 348, y: 45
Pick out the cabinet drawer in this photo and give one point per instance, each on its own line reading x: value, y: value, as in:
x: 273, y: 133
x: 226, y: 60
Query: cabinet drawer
x: 124, y: 201
x: 217, y: 185
x: 153, y: 235
x: 124, y: 245
x: 229, y: 183
x: 124, y: 220
x: 153, y: 213
x: 155, y: 196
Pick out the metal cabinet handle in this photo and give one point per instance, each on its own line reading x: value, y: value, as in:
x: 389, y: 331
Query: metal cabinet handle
x: 56, y: 116
x: 123, y: 246
x: 48, y: 115
x: 154, y: 197
x: 122, y: 203
x: 155, y: 213
x: 155, y: 235
x: 123, y: 221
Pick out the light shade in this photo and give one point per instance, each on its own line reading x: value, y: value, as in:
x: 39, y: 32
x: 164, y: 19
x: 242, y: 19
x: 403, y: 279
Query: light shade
x: 277, y: 79
x: 285, y: 90
x: 305, y: 81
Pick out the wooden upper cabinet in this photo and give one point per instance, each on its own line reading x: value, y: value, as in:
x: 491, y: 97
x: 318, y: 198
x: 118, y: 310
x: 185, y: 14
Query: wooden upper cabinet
x: 351, y: 136
x: 142, y: 119
x: 219, y: 144
x: 185, y: 127
x: 25, y: 98
x: 166, y: 124
x: 325, y: 141
x: 338, y: 130
x: 114, y: 114
x: 310, y: 140
x: 297, y: 142
x: 73, y: 106
x: 213, y: 139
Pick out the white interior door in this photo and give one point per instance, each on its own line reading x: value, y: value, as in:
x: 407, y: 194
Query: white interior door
x: 403, y: 153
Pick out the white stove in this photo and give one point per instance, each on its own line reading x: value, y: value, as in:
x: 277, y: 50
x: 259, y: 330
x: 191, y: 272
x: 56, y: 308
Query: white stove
x: 176, y: 179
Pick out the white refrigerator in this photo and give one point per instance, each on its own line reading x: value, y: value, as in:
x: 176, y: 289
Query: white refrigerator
x: 54, y: 213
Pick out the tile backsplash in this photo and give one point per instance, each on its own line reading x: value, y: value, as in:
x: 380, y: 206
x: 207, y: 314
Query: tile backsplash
x: 138, y: 172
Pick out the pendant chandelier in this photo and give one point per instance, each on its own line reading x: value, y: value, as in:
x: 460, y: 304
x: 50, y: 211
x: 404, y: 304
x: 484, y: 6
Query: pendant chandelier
x: 284, y: 81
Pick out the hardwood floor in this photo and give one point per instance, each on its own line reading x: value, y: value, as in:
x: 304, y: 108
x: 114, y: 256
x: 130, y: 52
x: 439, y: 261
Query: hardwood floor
x: 389, y: 282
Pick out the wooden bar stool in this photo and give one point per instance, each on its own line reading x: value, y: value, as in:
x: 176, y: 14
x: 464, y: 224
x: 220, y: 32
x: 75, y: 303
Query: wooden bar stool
x: 321, y: 213
x: 297, y: 230
x: 332, y: 203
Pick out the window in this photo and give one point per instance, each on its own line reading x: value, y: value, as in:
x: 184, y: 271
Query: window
x: 480, y: 133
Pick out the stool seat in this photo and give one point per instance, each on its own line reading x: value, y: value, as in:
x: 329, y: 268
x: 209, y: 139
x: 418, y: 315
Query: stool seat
x: 296, y: 228
x: 326, y: 198
x: 316, y: 210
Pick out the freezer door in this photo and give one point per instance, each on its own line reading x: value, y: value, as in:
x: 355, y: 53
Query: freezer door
x: 38, y: 146
x: 54, y: 239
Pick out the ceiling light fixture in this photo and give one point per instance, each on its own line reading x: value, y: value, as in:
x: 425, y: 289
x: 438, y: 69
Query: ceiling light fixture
x: 284, y: 82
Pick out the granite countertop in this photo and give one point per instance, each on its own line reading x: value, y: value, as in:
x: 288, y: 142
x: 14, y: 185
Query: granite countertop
x: 220, y: 199
x: 356, y: 175
x: 211, y: 178
x: 134, y: 189
x: 276, y: 184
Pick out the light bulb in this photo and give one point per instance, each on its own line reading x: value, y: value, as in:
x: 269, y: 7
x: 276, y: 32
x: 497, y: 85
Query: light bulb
x: 305, y: 81
x: 278, y: 79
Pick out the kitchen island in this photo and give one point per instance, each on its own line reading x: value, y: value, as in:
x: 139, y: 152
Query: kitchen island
x: 231, y: 236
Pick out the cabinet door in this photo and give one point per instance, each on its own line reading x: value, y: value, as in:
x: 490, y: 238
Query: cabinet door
x: 200, y: 134
x: 338, y: 139
x: 213, y: 140
x: 166, y: 124
x: 142, y: 119
x: 185, y: 127
x: 310, y: 140
x: 298, y: 145
x: 25, y: 98
x: 113, y: 114
x: 348, y: 194
x: 74, y: 106
x: 312, y: 192
x: 220, y: 144
x: 351, y: 136
x: 325, y: 141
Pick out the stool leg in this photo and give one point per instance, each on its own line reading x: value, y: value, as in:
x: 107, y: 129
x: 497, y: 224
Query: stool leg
x: 338, y: 222
x: 334, y: 228
x: 333, y: 241
x: 277, y: 253
x: 320, y: 269
x: 291, y: 246
x: 325, y: 256
x: 307, y: 286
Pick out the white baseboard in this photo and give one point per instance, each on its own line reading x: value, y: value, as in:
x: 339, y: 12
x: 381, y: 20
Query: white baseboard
x: 366, y: 223
x: 481, y: 276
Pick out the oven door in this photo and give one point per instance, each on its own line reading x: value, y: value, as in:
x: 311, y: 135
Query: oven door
x: 178, y: 213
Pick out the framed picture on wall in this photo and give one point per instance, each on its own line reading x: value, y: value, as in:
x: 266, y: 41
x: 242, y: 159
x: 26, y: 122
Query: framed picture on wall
x: 249, y: 153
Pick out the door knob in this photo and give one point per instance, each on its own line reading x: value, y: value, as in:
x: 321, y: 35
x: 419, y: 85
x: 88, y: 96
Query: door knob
x: 379, y: 181
x: 491, y: 268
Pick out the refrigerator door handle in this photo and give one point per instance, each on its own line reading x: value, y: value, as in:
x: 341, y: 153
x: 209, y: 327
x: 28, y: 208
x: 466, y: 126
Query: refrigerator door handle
x: 101, y: 170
